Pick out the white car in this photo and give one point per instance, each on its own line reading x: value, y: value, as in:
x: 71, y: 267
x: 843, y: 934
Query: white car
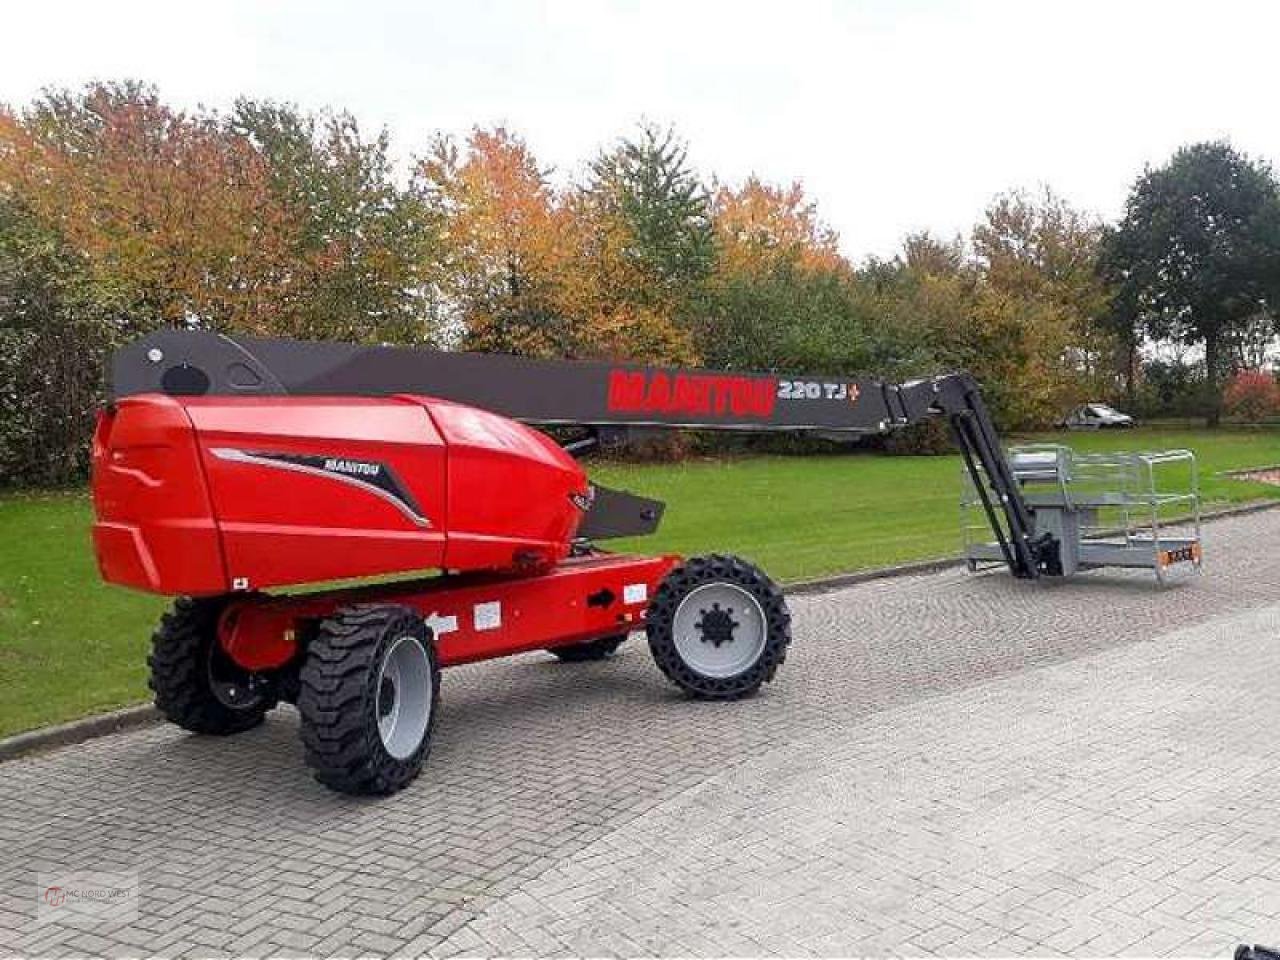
x: 1096, y: 416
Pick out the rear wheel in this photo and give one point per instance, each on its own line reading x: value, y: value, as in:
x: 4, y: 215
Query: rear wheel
x: 600, y: 649
x: 369, y: 694
x: 196, y: 685
x: 718, y: 627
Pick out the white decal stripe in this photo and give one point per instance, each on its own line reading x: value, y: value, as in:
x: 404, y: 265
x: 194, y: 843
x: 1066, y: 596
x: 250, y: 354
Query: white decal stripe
x: 239, y: 456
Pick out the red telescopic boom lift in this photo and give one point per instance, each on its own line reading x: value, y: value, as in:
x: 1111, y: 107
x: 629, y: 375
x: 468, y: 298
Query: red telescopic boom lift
x: 227, y: 468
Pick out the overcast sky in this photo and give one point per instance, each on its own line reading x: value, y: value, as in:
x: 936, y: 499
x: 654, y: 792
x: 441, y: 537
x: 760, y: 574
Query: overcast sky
x: 896, y: 116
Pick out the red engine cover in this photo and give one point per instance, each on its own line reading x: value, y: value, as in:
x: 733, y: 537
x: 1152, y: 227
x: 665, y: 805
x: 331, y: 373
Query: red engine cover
x: 203, y: 495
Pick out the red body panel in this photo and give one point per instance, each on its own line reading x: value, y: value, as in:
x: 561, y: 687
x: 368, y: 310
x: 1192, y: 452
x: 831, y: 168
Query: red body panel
x: 155, y: 527
x: 507, y: 484
x: 283, y: 525
x: 205, y: 495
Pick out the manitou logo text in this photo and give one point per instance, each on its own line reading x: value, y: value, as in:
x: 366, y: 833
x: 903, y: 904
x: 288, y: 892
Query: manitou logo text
x: 352, y: 467
x: 636, y: 391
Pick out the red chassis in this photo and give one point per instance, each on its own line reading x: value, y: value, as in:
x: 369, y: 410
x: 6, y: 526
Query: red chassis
x: 471, y: 616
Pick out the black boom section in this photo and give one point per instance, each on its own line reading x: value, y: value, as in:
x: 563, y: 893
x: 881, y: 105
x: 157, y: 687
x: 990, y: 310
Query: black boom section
x: 616, y: 513
x: 957, y: 397
x: 534, y: 391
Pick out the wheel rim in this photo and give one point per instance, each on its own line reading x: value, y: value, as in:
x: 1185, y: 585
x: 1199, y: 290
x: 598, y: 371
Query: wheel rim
x: 719, y: 629
x: 403, y: 702
x: 231, y: 686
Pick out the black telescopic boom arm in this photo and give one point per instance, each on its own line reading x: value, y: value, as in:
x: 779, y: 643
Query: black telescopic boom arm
x: 550, y: 392
x: 542, y: 392
x: 958, y: 397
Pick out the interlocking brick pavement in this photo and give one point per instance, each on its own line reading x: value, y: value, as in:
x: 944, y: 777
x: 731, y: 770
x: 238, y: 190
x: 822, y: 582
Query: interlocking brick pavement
x: 946, y: 764
x: 1113, y: 804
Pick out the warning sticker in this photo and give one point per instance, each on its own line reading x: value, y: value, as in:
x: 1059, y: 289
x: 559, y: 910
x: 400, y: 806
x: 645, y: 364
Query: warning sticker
x: 488, y: 616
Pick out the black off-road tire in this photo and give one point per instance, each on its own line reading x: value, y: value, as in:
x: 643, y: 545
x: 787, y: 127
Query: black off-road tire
x: 338, y: 699
x: 700, y: 571
x: 181, y: 679
x: 600, y: 649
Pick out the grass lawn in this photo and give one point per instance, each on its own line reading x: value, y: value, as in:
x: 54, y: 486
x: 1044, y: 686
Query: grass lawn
x: 69, y: 645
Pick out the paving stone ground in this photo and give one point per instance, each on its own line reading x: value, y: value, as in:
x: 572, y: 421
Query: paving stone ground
x: 947, y: 764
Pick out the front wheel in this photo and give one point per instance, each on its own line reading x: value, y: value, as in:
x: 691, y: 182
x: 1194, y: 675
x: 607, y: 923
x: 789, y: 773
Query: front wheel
x: 369, y: 694
x: 718, y: 627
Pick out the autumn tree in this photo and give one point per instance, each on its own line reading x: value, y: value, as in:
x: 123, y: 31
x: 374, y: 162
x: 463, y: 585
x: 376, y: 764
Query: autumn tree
x: 169, y: 212
x: 1197, y: 253
x: 922, y: 300
x: 780, y: 296
x: 1038, y: 245
x: 116, y: 214
x: 759, y: 226
x: 362, y: 249
x: 119, y: 215
x: 507, y: 244
x: 531, y: 270
x: 620, y: 314
x: 1039, y: 304
x: 927, y: 255
x: 1015, y: 305
x: 122, y: 214
x: 1252, y: 396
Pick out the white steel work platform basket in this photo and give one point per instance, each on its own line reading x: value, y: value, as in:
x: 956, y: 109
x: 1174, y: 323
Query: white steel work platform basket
x: 1105, y: 509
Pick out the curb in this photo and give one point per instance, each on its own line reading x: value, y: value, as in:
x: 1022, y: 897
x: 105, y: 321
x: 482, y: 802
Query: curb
x: 839, y: 580
x: 1245, y: 471
x: 1253, y: 506
x: 129, y: 718
x: 77, y: 731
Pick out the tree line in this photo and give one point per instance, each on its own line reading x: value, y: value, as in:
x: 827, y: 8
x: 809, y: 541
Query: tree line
x: 120, y: 214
